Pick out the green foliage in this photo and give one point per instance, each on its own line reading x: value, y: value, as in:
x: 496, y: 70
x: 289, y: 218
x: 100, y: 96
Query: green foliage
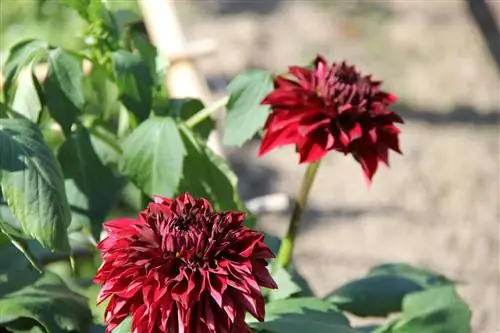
x: 32, y: 185
x: 436, y: 310
x: 299, y: 315
x: 382, y: 291
x: 92, y: 187
x: 63, y: 91
x: 29, y: 300
x: 153, y: 156
x: 245, y: 114
x: 134, y: 82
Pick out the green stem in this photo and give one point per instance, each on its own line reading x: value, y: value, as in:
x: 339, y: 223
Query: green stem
x: 286, y: 249
x: 106, y: 139
x: 201, y: 115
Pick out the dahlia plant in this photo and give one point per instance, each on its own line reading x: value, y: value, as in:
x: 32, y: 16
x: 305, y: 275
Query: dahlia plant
x: 116, y: 216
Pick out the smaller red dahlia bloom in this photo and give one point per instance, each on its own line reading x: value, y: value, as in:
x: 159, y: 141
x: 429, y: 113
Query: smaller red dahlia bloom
x: 180, y: 267
x: 332, y: 108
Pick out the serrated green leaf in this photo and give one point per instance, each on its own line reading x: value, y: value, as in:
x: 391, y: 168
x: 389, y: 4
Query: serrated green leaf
x: 31, y: 181
x: 245, y: 115
x: 20, y: 55
x: 298, y: 315
x: 134, y: 82
x: 44, y: 300
x: 437, y: 310
x: 207, y: 175
x: 63, y: 88
x: 153, y: 156
x: 27, y: 96
x: 92, y: 188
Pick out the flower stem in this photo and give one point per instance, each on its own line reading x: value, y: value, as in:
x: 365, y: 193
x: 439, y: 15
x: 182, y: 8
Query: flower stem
x: 201, y: 115
x: 286, y: 249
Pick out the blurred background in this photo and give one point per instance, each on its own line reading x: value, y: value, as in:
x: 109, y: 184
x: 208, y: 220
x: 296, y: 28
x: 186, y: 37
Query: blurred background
x: 438, y: 205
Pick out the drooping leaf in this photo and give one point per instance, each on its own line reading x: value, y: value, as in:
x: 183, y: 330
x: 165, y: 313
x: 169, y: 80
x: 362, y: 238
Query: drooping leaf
x: 32, y: 183
x: 92, y: 187
x: 437, y: 310
x: 134, y: 82
x: 186, y: 108
x: 298, y: 315
x: 20, y: 55
x: 43, y: 301
x: 245, y: 115
x: 27, y: 96
x: 63, y: 88
x: 207, y: 175
x: 153, y: 156
x: 382, y: 291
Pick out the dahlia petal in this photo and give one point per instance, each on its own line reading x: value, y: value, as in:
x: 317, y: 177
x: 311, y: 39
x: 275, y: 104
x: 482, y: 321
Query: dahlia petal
x: 355, y: 132
x: 278, y: 138
x: 369, y: 164
x: 311, y: 151
x: 304, y: 76
x: 283, y: 98
x: 281, y: 82
x: 119, y: 225
x: 312, y: 123
x: 390, y: 140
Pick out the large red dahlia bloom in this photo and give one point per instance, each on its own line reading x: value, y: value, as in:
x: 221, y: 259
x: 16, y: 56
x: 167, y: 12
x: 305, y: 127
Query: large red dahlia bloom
x: 332, y: 108
x: 183, y: 268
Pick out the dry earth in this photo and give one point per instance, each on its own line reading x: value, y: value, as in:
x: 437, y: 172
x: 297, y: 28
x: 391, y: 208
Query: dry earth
x: 438, y: 206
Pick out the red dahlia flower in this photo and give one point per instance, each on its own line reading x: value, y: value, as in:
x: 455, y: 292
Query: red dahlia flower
x: 183, y: 268
x: 332, y: 108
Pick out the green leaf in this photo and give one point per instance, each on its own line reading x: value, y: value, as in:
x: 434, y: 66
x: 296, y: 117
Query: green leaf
x: 31, y: 181
x: 21, y: 244
x: 437, y: 310
x: 424, y: 277
x: 245, y: 115
x: 20, y: 55
x: 92, y: 188
x: 298, y: 315
x: 153, y: 156
x: 207, y: 175
x: 63, y: 88
x: 373, y: 296
x: 44, y: 300
x: 134, y: 82
x: 27, y: 97
x: 185, y: 108
x: 305, y: 290
x: 382, y: 291
x: 286, y: 286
